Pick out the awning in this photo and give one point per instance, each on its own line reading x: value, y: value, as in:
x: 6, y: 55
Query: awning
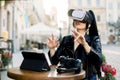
x: 41, y: 30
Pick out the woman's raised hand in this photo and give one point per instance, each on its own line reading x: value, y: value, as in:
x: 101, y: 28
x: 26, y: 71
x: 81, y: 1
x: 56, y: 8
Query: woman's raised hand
x: 78, y: 37
x: 52, y: 43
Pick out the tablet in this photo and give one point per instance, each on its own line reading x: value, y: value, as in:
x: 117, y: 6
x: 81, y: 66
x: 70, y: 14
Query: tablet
x: 34, y: 61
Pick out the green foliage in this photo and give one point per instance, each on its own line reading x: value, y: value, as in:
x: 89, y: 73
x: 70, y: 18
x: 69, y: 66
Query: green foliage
x: 6, y: 58
x: 103, y: 58
x: 108, y: 77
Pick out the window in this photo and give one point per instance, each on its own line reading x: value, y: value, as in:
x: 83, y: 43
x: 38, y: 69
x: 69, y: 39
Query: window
x: 80, y: 2
x: 98, y: 17
x: 118, y: 5
x: 111, y: 30
x: 88, y: 2
x: 110, y: 5
x: 109, y: 18
x: 97, y: 2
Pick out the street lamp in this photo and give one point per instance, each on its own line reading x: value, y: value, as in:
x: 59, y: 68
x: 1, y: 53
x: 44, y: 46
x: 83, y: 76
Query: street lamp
x: 60, y: 26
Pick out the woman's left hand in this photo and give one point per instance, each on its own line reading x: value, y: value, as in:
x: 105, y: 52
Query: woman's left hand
x: 81, y: 40
x: 79, y: 37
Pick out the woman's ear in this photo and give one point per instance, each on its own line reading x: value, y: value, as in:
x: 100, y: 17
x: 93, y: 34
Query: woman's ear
x: 88, y: 29
x: 89, y: 26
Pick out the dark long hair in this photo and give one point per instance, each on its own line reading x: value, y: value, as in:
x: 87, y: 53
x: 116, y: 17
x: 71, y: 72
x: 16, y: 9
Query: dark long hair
x: 93, y: 31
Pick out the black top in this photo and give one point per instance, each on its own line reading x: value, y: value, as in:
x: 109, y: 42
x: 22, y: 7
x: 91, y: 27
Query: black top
x: 91, y: 62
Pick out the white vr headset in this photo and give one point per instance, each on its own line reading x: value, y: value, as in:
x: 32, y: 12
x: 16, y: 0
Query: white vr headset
x: 79, y: 14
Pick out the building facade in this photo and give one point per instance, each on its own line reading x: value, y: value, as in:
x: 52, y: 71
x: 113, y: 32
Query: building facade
x: 18, y: 16
x: 113, y: 15
x: 6, y: 23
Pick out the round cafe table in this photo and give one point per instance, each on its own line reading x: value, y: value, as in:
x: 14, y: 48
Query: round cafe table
x: 20, y: 74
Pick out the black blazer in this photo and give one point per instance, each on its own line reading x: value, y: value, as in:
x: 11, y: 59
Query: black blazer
x: 91, y: 62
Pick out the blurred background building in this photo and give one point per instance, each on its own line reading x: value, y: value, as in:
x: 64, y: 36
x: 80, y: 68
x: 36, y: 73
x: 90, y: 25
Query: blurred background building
x: 113, y: 19
x: 22, y: 21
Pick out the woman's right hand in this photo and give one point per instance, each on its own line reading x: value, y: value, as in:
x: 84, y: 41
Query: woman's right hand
x: 52, y: 43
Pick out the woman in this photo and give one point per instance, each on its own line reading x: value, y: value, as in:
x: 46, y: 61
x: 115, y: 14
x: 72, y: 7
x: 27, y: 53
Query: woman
x: 84, y: 43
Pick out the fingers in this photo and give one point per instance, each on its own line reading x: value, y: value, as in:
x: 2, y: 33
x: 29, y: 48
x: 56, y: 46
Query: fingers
x: 75, y: 32
x: 52, y: 37
x: 49, y: 40
x: 76, y: 35
x: 57, y: 43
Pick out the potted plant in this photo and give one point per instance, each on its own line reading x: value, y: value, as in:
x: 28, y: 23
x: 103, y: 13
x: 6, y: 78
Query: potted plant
x: 107, y: 69
x: 6, y: 58
x: 109, y: 72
